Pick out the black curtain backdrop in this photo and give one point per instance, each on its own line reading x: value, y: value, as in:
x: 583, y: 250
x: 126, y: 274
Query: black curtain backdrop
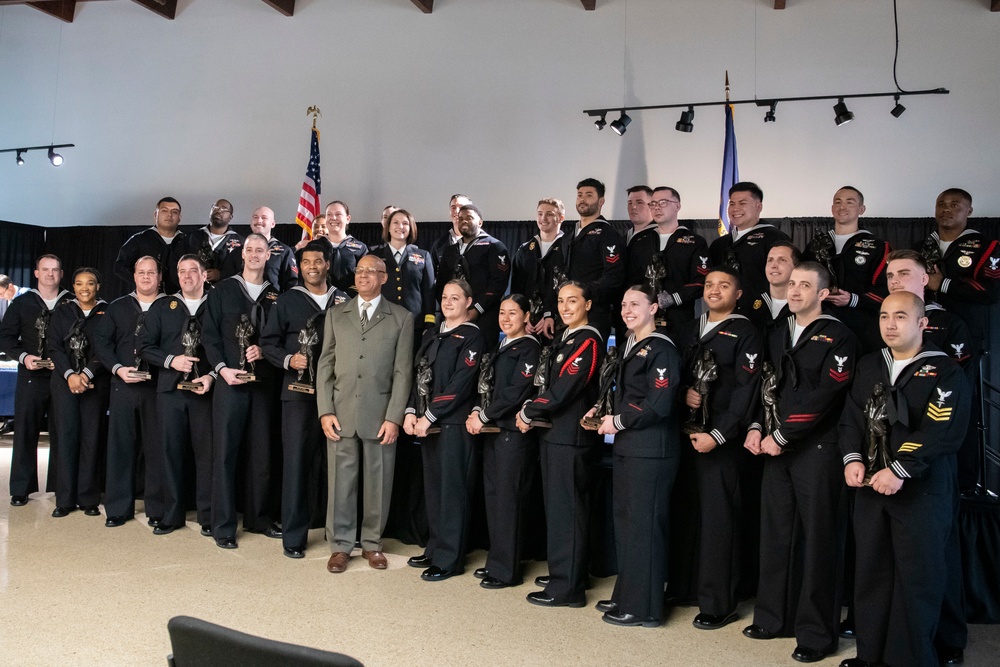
x: 19, y: 246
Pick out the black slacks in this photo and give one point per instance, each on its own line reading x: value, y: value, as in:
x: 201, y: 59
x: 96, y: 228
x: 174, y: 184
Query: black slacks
x: 508, y: 464
x: 187, y: 423
x: 133, y: 422
x: 721, y: 501
x: 449, y: 475
x: 81, y: 420
x: 32, y: 401
x: 302, y: 440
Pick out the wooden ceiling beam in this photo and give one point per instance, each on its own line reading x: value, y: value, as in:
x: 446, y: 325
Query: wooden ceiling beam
x: 779, y: 4
x: 995, y: 5
x: 286, y: 7
x: 64, y: 10
x: 426, y: 6
x: 589, y: 5
x: 165, y: 8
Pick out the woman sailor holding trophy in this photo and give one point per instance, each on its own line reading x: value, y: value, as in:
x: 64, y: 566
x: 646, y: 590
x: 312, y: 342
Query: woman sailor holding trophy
x: 646, y: 450
x: 80, y: 390
x: 444, y: 391
x: 506, y: 381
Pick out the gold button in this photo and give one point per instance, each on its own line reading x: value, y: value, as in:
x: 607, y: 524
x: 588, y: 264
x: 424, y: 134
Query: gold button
x: 399, y: 289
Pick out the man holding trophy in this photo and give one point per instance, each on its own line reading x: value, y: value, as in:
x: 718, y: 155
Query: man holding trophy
x: 133, y: 400
x: 171, y: 342
x: 291, y: 340
x: 238, y: 308
x: 23, y: 337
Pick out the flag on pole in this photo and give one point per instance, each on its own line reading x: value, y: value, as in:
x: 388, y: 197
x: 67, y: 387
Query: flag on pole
x: 309, y: 199
x: 730, y: 167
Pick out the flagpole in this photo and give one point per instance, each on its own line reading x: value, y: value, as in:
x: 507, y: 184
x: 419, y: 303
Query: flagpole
x: 309, y: 200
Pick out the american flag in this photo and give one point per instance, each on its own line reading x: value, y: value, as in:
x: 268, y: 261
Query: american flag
x: 309, y: 199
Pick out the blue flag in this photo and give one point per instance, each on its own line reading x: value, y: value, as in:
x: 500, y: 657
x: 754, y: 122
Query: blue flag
x: 730, y: 171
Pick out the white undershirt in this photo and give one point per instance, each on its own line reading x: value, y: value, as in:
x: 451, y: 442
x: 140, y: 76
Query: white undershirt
x: 86, y: 313
x: 776, y: 306
x: 168, y: 239
x: 897, y: 367
x: 664, y: 239
x: 710, y: 327
x: 544, y: 246
x: 840, y: 240
x: 796, y: 332
x: 192, y: 306
x: 944, y: 245
x: 320, y: 299
x: 214, y: 239
x: 254, y: 290
x: 51, y: 303
x: 144, y: 306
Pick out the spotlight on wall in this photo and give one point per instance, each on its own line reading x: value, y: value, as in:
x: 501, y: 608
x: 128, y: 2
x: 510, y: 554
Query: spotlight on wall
x: 20, y: 160
x: 619, y: 126
x: 686, y: 123
x: 769, y: 116
x: 55, y: 158
x: 843, y: 114
x: 897, y: 110
x: 601, y: 122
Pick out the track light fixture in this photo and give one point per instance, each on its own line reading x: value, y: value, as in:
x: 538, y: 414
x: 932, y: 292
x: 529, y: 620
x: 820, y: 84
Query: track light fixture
x: 601, y: 122
x: 619, y: 126
x: 54, y: 157
x: 843, y: 113
x: 686, y: 123
x: 769, y: 116
x: 897, y: 110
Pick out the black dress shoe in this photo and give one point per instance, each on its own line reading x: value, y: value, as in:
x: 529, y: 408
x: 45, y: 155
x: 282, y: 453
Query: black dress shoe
x: 226, y: 542
x: 19, y: 501
x: 543, y: 600
x: 434, y: 573
x: 951, y: 656
x: 847, y: 629
x: 757, y: 632
x: 605, y: 606
x: 91, y: 510
x: 206, y: 530
x: 60, y: 512
x: 422, y: 560
x: 164, y: 529
x: 629, y: 620
x: 713, y: 621
x: 806, y: 654
x: 153, y: 521
x: 493, y: 583
x: 542, y: 580
x: 115, y: 521
x: 857, y: 662
x: 271, y: 531
x: 481, y: 573
x: 295, y: 552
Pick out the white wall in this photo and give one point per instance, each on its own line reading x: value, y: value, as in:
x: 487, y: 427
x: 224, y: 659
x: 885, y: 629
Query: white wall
x: 485, y: 97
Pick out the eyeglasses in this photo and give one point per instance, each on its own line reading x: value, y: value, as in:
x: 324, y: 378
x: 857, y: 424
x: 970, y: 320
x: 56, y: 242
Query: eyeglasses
x: 222, y: 208
x: 662, y: 203
x: 365, y: 271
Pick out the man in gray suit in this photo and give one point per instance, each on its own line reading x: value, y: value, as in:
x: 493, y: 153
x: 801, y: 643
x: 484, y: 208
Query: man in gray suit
x: 363, y: 381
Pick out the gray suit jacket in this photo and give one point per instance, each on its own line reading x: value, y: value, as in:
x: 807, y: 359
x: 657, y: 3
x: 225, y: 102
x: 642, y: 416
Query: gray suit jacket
x: 365, y: 378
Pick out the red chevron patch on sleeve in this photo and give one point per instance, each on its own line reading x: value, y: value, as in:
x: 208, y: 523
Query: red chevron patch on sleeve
x: 840, y: 377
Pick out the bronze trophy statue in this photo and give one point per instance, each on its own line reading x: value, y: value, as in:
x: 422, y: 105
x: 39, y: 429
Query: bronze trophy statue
x: 308, y: 337
x: 461, y: 270
x: 536, y: 308
x: 138, y: 373
x: 42, y: 327
x: 769, y: 397
x: 605, y: 396
x: 823, y: 249
x: 541, y: 381
x: 245, y: 331
x: 78, y: 346
x: 423, y: 377
x: 485, y: 387
x: 656, y: 271
x: 877, y: 455
x: 705, y: 372
x: 190, y: 339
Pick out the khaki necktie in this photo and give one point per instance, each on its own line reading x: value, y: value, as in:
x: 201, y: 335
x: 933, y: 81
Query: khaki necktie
x: 364, y: 314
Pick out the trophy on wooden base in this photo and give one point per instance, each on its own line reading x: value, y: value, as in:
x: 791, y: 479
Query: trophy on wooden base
x: 541, y: 381
x: 877, y: 457
x: 485, y: 388
x: 705, y: 372
x: 138, y: 373
x: 42, y: 327
x: 656, y: 271
x: 823, y: 249
x: 605, y: 396
x: 769, y: 396
x: 78, y: 345
x: 244, y: 332
x: 190, y: 339
x: 423, y: 378
x: 308, y: 337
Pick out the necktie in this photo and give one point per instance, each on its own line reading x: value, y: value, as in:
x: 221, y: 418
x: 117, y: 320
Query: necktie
x: 364, y: 314
x: 398, y: 255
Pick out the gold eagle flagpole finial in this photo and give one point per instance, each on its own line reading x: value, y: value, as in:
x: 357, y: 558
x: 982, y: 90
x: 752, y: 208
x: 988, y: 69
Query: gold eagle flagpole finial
x: 315, y: 113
